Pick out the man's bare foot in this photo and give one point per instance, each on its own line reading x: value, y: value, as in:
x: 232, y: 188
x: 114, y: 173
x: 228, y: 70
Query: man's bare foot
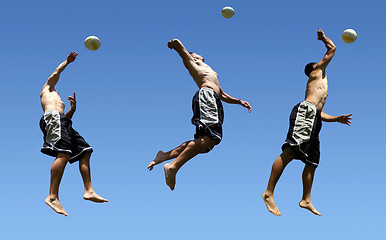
x: 308, y: 205
x: 271, y: 206
x: 55, y: 204
x: 170, y: 176
x: 92, y: 196
x: 157, y: 160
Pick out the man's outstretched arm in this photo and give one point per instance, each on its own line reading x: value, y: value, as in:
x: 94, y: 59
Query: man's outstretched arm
x: 54, y: 78
x: 184, y: 54
x: 322, y: 64
x: 344, y: 119
x: 229, y: 99
x: 72, y: 110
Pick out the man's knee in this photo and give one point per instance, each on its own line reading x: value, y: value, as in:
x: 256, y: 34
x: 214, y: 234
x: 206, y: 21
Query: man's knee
x: 206, y: 143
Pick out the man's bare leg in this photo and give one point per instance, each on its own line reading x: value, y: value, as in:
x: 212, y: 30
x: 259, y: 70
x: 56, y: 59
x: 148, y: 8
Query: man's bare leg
x: 57, y: 170
x: 162, y: 156
x: 199, y: 145
x: 308, y: 177
x: 84, y: 168
x: 277, y: 169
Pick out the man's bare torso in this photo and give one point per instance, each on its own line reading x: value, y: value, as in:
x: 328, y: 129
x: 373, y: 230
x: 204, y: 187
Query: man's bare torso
x: 204, y: 76
x: 317, y: 87
x: 51, y: 100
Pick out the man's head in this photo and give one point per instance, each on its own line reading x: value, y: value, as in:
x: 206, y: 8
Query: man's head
x: 196, y: 56
x: 309, y: 68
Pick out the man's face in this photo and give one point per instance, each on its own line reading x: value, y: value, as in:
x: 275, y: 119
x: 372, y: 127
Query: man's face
x: 198, y: 57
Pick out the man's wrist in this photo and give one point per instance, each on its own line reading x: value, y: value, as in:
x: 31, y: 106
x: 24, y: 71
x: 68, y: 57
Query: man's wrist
x: 337, y: 119
x: 239, y: 101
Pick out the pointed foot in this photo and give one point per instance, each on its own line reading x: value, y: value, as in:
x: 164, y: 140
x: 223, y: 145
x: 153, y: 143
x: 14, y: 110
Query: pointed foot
x: 309, y: 206
x: 92, y: 196
x: 170, y: 176
x: 55, y: 205
x: 270, y: 204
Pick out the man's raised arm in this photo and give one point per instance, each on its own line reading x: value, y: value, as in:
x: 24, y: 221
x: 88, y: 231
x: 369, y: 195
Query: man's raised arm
x: 54, y: 78
x: 184, y: 54
x: 330, y: 50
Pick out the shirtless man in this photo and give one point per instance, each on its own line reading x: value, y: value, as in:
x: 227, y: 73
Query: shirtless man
x: 208, y: 114
x: 303, y: 135
x: 62, y: 141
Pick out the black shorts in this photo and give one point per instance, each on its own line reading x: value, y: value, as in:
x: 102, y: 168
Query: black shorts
x: 208, y: 114
x: 303, y: 133
x: 60, y: 137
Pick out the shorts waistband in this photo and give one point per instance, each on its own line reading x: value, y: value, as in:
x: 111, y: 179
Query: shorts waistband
x: 306, y: 101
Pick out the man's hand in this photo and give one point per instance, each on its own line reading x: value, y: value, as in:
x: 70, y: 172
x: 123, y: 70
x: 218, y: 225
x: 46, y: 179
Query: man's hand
x: 71, y: 57
x: 345, y: 119
x: 171, y: 43
x: 246, y: 105
x: 321, y: 35
x: 72, y: 102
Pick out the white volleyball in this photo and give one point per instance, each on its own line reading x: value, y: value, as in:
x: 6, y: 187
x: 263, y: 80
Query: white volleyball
x: 92, y: 43
x: 227, y: 12
x: 349, y: 36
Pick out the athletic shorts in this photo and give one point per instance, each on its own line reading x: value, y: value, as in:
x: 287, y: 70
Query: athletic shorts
x: 208, y: 114
x: 303, y: 133
x: 60, y: 137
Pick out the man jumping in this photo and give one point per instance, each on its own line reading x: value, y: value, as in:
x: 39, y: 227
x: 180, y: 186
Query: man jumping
x: 62, y: 141
x: 208, y: 114
x: 303, y: 135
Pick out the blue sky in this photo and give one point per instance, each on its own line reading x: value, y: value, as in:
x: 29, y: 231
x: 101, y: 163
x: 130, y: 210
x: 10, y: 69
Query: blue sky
x: 134, y: 98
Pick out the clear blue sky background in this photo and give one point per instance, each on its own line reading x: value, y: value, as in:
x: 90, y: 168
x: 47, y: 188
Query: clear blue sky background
x: 134, y: 98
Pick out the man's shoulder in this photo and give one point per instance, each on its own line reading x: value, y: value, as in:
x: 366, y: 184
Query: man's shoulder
x: 46, y: 89
x: 316, y: 73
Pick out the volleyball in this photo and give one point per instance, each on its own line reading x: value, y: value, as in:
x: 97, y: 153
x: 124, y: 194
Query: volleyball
x: 227, y: 12
x: 349, y: 36
x: 92, y: 43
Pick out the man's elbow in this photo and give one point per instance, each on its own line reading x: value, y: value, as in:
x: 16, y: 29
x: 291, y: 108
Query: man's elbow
x: 54, y: 75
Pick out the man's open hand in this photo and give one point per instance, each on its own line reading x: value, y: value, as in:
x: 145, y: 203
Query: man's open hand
x: 71, y: 57
x: 345, y: 119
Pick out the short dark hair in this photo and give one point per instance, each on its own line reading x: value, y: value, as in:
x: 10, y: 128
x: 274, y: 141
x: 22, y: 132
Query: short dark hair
x: 309, y: 68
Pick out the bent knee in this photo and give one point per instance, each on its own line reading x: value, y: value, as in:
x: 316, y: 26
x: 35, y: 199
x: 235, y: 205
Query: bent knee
x: 207, y: 143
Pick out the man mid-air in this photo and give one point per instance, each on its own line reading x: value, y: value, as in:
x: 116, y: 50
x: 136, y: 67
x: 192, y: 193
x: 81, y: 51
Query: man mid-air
x: 208, y: 114
x: 62, y: 141
x: 303, y: 135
